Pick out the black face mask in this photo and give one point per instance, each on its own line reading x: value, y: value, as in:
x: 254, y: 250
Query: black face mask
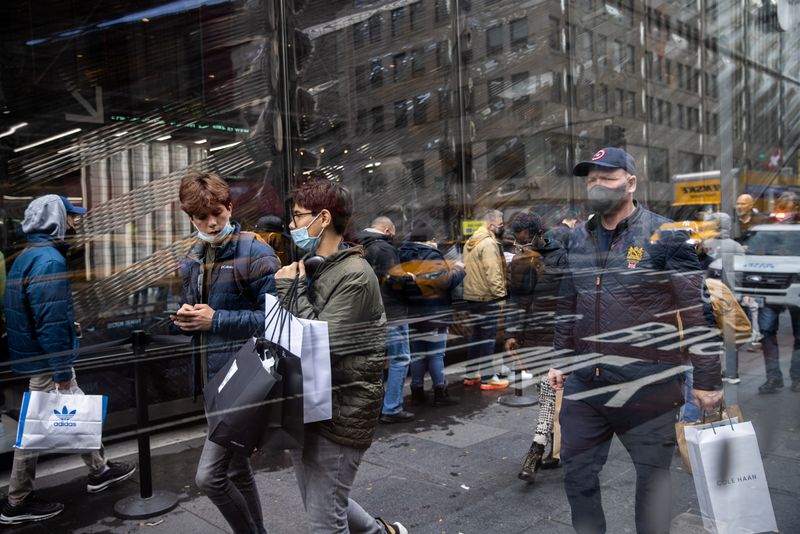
x: 499, y: 230
x: 604, y: 199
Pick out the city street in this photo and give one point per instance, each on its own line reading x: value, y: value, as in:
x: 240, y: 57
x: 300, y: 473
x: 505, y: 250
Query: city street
x: 452, y: 470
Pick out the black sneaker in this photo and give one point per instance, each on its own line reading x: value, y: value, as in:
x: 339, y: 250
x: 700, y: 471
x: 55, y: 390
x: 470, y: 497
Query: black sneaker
x: 116, y: 472
x: 772, y: 385
x: 401, y: 417
x: 31, y: 509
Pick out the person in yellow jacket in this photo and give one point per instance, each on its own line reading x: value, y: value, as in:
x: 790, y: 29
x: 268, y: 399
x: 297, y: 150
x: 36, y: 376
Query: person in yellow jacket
x: 484, y: 290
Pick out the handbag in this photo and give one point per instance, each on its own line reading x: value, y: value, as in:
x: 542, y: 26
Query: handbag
x: 61, y: 422
x: 727, y: 311
x: 729, y: 478
x: 283, y: 426
x: 236, y: 400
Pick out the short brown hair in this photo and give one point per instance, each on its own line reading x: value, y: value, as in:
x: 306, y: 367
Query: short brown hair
x: 319, y: 194
x: 200, y: 192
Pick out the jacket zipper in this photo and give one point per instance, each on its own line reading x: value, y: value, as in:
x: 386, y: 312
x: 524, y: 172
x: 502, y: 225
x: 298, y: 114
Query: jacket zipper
x: 598, y: 282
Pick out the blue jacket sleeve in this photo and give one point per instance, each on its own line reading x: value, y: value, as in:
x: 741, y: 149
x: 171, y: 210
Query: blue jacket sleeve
x: 50, y: 296
x: 238, y: 324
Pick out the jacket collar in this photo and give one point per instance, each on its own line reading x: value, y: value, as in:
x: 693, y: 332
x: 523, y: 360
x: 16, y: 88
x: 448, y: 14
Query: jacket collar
x: 38, y: 239
x: 594, y: 222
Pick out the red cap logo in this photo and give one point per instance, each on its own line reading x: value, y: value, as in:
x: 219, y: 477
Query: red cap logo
x: 599, y: 155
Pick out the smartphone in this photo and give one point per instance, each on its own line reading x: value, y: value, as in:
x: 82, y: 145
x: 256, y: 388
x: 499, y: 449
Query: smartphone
x: 167, y: 313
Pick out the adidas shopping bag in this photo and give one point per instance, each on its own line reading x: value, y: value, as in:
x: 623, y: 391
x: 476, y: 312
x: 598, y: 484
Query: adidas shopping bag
x: 61, y: 423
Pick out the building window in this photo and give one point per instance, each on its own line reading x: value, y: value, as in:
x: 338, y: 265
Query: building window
x: 619, y: 102
x: 519, y: 88
x: 377, y: 119
x: 398, y: 65
x: 360, y: 33
x: 440, y: 13
x: 415, y: 16
x: 630, y: 104
x: 681, y: 117
x: 602, y: 51
x: 601, y: 96
x: 401, y: 113
x: 586, y: 96
x: 651, y: 109
x: 585, y: 52
x: 630, y: 59
x: 421, y: 103
x: 555, y: 89
x: 494, y: 40
x: 519, y: 33
x: 443, y: 54
x: 444, y: 104
x: 361, y: 78
x: 619, y: 59
x: 361, y: 122
x: 417, y: 168
x: 554, y: 34
x: 417, y: 62
x: 648, y: 66
x: 375, y: 23
x: 657, y: 165
x: 668, y: 113
x: 495, y: 88
x: 376, y: 73
x: 397, y: 21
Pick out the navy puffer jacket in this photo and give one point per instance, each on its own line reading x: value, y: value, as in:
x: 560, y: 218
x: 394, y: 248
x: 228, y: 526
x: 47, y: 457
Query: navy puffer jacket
x: 242, y: 274
x: 635, y: 282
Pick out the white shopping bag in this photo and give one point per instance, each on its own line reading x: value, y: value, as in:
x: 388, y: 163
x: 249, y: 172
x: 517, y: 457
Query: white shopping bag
x: 309, y: 340
x: 60, y: 422
x: 729, y: 478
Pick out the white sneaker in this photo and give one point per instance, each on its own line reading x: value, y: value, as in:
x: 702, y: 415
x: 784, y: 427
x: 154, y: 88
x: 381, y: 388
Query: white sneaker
x: 504, y: 370
x: 526, y: 375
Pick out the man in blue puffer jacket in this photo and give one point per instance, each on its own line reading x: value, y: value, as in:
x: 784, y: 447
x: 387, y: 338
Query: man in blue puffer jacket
x: 226, y: 276
x: 620, y: 278
x: 42, y: 341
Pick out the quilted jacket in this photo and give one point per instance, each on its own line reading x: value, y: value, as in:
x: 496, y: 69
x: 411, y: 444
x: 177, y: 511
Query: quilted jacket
x: 635, y: 282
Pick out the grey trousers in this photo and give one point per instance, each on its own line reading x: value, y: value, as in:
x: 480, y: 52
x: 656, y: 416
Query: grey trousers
x: 227, y: 478
x: 325, y: 473
x: 23, y: 469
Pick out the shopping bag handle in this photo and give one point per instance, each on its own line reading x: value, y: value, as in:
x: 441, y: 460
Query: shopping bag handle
x: 721, y: 418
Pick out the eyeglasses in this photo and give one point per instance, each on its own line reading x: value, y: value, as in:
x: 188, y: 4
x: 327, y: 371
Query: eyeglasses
x: 295, y: 215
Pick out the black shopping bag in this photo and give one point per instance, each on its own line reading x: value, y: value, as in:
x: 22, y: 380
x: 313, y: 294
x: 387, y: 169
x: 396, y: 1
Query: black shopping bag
x: 283, y: 428
x: 236, y: 401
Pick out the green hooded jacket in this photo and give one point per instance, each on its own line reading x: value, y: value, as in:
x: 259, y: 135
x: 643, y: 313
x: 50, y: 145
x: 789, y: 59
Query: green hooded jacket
x: 345, y: 293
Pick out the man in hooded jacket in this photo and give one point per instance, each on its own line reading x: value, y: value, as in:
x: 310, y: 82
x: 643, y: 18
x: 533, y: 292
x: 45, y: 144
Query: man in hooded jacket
x: 42, y: 340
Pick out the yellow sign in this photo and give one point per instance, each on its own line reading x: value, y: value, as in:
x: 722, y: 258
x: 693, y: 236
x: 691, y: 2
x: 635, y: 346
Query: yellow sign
x: 469, y: 227
x: 696, y: 192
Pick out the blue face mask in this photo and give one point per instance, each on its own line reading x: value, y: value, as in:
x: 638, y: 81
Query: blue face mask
x: 303, y: 240
x: 215, y: 239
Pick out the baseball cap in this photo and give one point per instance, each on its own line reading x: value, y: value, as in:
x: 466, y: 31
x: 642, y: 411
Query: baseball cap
x: 609, y: 157
x: 74, y: 210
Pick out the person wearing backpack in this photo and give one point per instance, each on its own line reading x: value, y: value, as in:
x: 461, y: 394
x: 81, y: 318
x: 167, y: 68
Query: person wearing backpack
x: 429, y: 295
x: 226, y: 275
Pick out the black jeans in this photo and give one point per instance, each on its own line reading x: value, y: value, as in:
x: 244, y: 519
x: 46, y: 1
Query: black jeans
x: 645, y: 426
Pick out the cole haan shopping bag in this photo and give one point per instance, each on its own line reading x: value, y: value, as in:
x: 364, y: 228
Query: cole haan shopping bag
x: 61, y: 422
x: 236, y: 400
x: 729, y: 478
x: 731, y: 412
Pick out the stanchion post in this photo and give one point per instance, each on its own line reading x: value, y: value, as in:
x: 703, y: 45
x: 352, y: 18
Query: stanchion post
x: 147, y: 503
x: 517, y: 399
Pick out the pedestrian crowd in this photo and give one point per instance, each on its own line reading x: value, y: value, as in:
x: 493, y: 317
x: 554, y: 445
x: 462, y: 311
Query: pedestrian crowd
x: 609, y: 298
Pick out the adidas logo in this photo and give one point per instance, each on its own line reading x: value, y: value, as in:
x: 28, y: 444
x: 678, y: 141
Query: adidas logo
x: 64, y: 415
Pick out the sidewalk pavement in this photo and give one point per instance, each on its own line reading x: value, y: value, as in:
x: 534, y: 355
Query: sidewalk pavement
x: 453, y: 470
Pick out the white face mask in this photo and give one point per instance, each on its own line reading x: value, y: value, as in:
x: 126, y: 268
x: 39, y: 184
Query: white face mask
x: 214, y: 239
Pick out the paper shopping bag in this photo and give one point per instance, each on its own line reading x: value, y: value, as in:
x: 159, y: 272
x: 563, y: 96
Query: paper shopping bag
x: 236, y: 400
x: 557, y: 424
x: 729, y: 478
x: 731, y: 412
x: 309, y: 340
x: 284, y: 426
x: 59, y: 422
x: 316, y: 360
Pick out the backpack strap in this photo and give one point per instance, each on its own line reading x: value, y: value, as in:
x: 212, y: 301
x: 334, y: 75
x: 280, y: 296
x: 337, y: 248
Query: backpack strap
x: 241, y: 269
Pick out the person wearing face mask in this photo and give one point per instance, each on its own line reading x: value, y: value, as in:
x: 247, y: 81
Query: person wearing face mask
x: 345, y: 293
x: 40, y: 322
x: 534, y: 279
x: 484, y: 291
x: 226, y: 275
x: 618, y: 279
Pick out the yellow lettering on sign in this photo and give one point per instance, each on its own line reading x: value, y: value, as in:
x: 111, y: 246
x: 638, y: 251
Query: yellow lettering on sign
x: 697, y: 192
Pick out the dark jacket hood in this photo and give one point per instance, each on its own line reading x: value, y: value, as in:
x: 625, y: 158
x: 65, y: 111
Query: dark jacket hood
x: 367, y: 236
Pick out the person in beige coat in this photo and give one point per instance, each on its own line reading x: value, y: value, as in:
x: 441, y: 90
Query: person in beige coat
x: 484, y: 290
